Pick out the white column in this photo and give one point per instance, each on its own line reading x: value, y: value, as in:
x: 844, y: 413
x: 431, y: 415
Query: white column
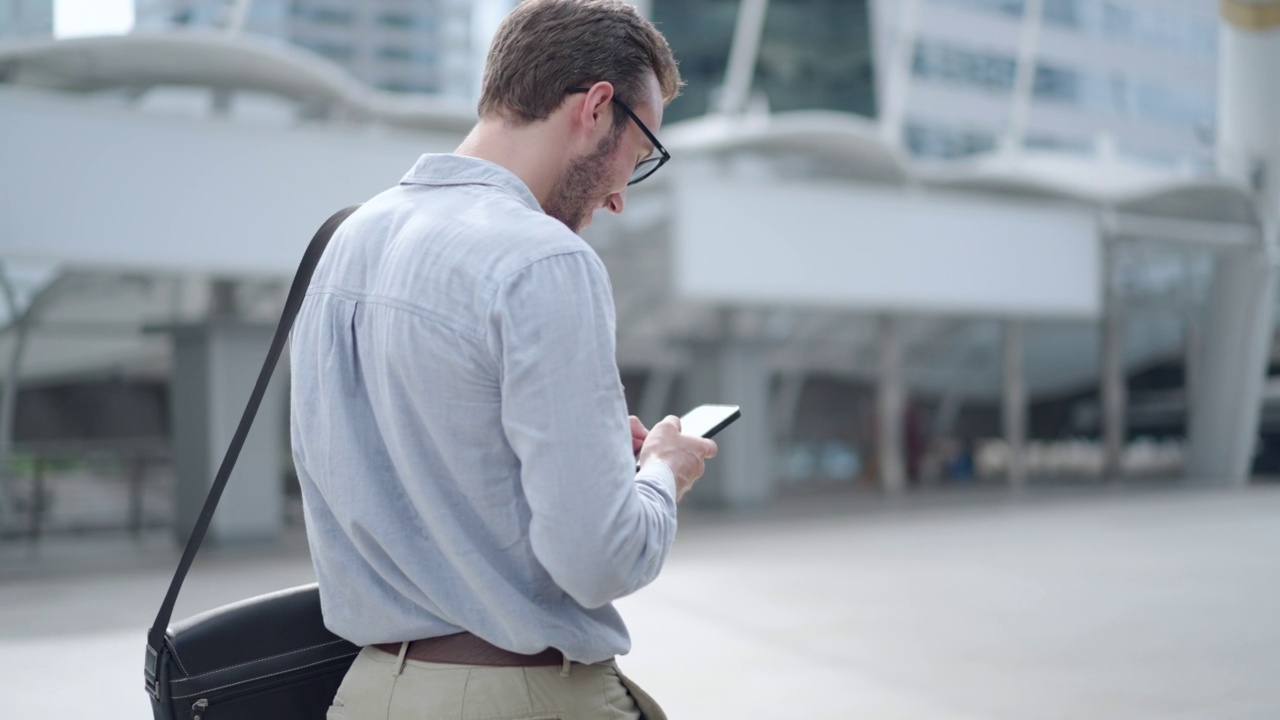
x: 1223, y: 425
x: 741, y: 69
x: 735, y: 371
x: 1114, y: 384
x: 1024, y: 76
x: 897, y: 76
x: 1014, y: 415
x: 891, y: 405
x: 215, y: 365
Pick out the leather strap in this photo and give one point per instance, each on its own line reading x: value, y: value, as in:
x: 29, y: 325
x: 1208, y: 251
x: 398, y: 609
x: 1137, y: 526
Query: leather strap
x: 467, y: 649
x: 297, y: 291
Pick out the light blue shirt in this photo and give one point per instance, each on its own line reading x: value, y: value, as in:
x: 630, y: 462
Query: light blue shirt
x: 459, y: 427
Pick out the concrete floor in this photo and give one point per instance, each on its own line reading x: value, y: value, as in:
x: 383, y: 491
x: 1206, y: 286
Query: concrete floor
x: 1089, y: 603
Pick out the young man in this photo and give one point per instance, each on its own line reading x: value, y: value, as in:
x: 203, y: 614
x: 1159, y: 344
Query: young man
x: 468, y: 468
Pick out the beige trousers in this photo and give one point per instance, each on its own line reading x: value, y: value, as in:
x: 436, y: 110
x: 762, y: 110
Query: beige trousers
x: 383, y: 687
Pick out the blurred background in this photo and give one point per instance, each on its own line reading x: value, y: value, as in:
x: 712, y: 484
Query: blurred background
x: 983, y: 274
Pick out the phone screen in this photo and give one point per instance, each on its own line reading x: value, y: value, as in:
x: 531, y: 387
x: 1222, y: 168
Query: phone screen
x: 707, y: 420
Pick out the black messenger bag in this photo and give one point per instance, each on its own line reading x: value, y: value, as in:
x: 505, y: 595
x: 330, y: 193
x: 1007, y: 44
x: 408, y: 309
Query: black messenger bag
x: 265, y: 658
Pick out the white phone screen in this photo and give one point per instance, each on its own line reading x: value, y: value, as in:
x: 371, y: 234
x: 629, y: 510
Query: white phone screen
x: 707, y: 420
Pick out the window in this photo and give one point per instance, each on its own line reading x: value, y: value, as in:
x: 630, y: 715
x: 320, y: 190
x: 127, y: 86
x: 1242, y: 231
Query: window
x: 1011, y: 8
x: 1057, y: 84
x: 966, y: 67
x: 324, y: 15
x: 700, y: 32
x: 338, y: 52
x: 937, y: 141
x: 406, y: 21
x: 403, y: 86
x: 1063, y: 12
x: 407, y: 55
x: 1117, y: 22
x: 816, y: 54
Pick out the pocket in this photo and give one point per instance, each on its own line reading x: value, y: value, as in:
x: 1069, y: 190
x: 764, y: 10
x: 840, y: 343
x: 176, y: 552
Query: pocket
x: 648, y: 707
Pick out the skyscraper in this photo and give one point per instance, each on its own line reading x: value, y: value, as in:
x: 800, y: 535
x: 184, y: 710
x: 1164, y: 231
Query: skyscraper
x: 399, y: 45
x: 26, y: 18
x: 1134, y: 76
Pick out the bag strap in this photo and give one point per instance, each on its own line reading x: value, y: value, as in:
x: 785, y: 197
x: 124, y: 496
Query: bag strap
x: 297, y: 291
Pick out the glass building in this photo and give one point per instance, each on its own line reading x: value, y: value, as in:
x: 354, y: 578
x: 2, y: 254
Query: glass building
x: 26, y: 18
x: 814, y: 54
x: 417, y: 46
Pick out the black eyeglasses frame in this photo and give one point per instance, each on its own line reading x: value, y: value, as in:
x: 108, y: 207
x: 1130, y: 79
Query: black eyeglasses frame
x: 649, y: 165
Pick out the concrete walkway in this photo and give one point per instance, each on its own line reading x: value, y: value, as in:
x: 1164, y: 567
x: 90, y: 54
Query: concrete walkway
x: 1125, y: 604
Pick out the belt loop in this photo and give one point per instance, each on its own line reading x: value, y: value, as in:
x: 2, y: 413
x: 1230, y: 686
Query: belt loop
x: 404, y: 648
x: 564, y: 668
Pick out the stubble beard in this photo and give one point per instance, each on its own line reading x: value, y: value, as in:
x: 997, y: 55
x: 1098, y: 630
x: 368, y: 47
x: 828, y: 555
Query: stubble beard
x: 582, y: 187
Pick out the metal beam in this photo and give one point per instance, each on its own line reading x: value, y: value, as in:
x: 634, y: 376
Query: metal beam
x: 743, y: 55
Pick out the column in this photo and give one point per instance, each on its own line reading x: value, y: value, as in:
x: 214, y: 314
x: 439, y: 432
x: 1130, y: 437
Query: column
x: 1014, y: 410
x: 1114, y: 386
x: 1237, y: 335
x: 891, y: 405
x: 1223, y: 425
x: 735, y: 371
x: 215, y: 365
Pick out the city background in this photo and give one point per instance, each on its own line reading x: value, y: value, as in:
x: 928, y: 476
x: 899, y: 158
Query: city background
x: 991, y: 279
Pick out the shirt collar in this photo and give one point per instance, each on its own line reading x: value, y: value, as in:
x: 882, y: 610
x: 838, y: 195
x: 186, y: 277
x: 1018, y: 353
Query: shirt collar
x: 449, y: 169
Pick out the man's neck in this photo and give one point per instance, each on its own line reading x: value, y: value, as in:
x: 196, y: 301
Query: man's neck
x: 527, y: 151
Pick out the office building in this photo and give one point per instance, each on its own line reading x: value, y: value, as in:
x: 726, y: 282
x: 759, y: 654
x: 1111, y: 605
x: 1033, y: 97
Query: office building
x: 26, y: 19
x: 412, y: 46
x: 1137, y: 77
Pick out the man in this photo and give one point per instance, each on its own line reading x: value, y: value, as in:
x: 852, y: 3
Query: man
x: 468, y: 469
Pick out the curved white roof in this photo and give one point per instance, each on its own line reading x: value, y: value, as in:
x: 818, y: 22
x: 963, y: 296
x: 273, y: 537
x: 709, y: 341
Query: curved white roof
x: 850, y: 141
x: 219, y: 60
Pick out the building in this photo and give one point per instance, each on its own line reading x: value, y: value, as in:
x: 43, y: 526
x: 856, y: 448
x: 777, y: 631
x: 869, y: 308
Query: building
x: 1137, y: 77
x: 26, y: 19
x: 410, y: 46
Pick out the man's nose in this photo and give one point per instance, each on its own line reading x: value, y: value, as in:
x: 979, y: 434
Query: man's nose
x: 615, y: 202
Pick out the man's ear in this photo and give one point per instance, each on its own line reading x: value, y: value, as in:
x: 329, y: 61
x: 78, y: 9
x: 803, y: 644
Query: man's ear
x: 597, y: 108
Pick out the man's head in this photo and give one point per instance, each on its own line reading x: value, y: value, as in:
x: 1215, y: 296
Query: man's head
x: 585, y: 65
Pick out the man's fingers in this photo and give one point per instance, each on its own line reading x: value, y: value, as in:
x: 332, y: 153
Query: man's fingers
x: 712, y: 448
x: 637, y: 428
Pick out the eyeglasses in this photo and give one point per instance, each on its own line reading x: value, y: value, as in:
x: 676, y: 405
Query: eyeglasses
x: 649, y: 165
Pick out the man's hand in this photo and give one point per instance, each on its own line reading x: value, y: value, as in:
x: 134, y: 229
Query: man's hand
x: 638, y: 433
x: 686, y: 456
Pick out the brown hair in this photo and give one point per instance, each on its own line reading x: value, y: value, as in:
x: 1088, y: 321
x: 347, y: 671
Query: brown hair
x: 544, y: 47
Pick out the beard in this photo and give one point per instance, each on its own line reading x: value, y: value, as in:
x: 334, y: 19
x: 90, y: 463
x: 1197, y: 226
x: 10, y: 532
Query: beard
x: 583, y: 186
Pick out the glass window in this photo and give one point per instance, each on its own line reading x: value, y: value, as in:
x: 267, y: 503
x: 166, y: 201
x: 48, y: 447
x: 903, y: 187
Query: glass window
x: 700, y: 33
x: 966, y: 67
x: 816, y: 54
x: 1063, y: 12
x: 414, y: 56
x: 324, y: 15
x: 938, y: 141
x: 1117, y: 22
x: 1011, y: 8
x: 1168, y: 105
x: 1059, y: 84
x: 405, y: 86
x: 338, y: 52
x: 406, y: 21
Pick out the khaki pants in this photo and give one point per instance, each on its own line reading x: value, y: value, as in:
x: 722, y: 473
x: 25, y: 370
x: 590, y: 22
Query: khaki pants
x: 379, y: 686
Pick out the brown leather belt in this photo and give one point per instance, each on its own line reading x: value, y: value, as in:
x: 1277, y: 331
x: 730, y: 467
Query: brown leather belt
x: 467, y: 649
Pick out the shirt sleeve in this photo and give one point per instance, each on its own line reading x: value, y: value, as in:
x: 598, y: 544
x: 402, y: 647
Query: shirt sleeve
x: 599, y: 528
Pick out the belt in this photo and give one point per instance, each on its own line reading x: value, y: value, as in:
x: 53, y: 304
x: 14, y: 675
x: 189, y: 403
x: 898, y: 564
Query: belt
x: 467, y: 649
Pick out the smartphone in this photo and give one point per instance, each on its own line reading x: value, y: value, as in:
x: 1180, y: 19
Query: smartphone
x: 707, y: 420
